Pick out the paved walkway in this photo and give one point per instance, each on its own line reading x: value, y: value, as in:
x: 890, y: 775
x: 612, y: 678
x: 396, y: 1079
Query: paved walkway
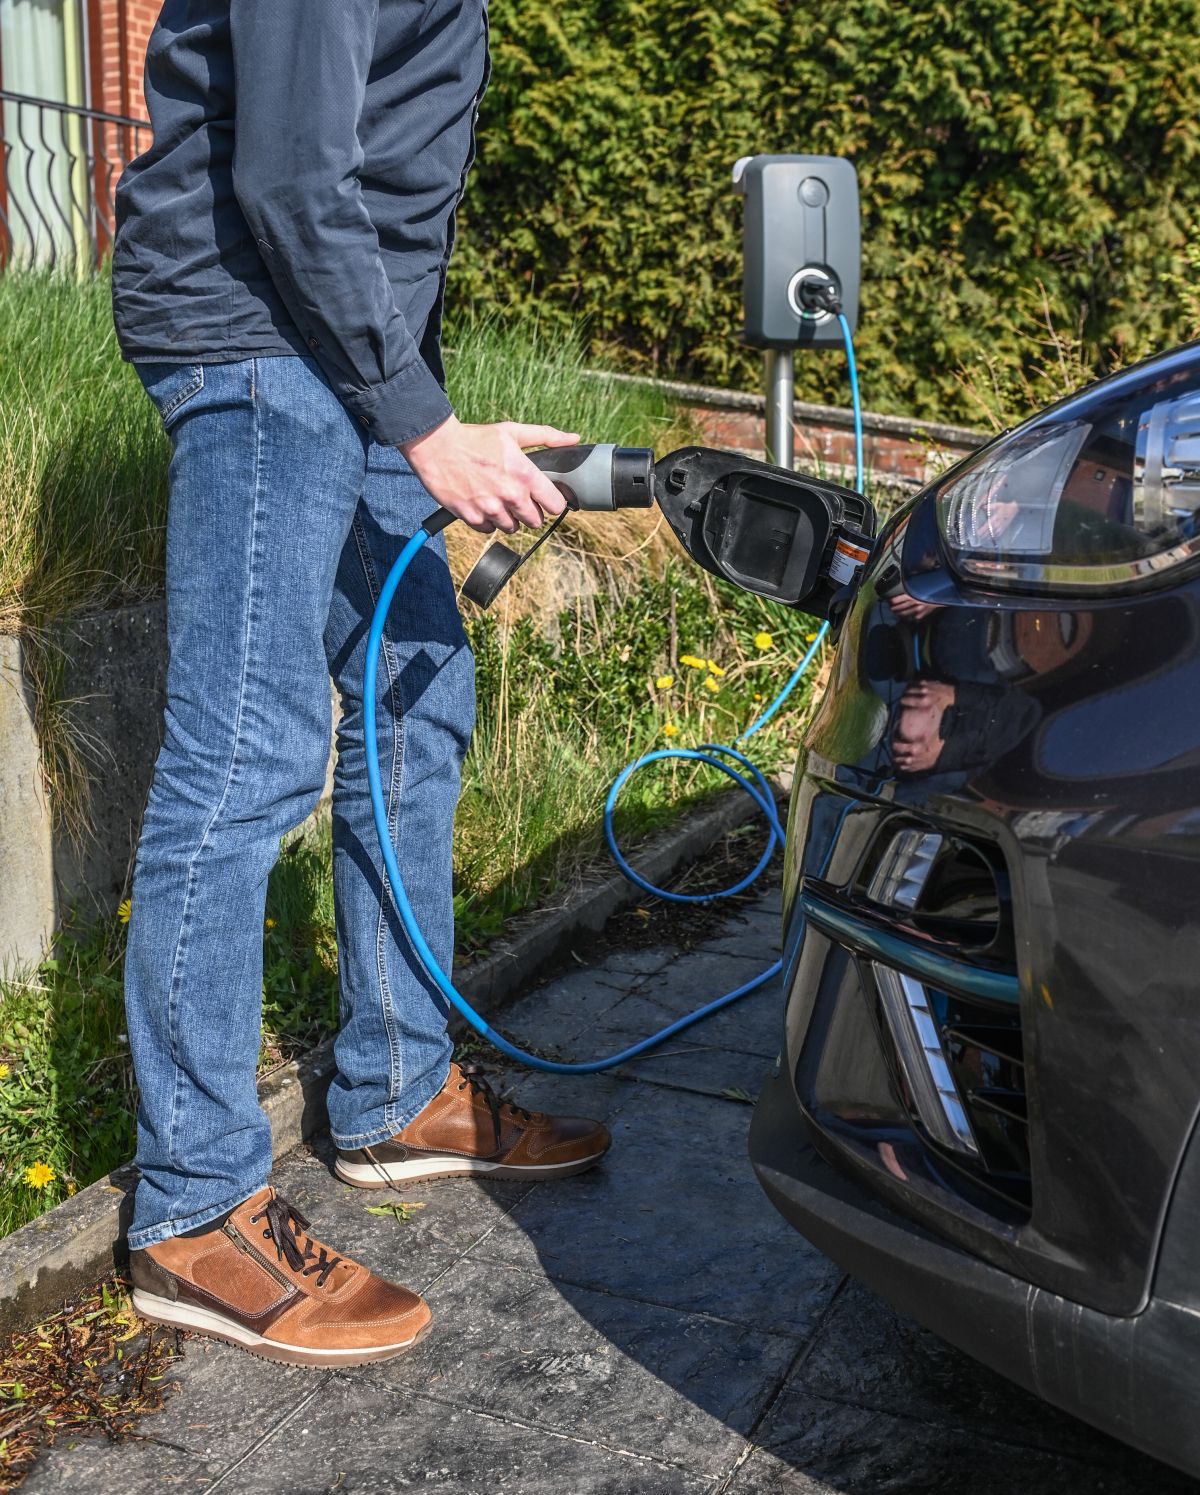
x: 652, y: 1326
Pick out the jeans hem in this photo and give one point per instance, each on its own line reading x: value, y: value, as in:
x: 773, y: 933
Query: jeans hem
x: 390, y: 1127
x: 154, y: 1235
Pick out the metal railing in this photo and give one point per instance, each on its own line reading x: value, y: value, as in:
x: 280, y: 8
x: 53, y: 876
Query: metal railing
x: 59, y: 167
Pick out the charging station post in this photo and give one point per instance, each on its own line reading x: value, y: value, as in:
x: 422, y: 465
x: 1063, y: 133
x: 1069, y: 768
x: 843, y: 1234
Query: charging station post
x: 801, y: 260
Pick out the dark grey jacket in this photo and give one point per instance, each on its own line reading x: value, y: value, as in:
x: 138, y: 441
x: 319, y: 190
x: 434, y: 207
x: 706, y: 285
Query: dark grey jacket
x: 299, y: 195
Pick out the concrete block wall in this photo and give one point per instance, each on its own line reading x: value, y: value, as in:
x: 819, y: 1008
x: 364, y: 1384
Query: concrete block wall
x: 110, y: 678
x: 27, y: 897
x: 113, y: 670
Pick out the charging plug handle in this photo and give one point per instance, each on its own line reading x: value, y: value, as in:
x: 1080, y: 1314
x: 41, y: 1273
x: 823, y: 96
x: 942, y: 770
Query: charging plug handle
x: 597, y: 477
x: 601, y: 477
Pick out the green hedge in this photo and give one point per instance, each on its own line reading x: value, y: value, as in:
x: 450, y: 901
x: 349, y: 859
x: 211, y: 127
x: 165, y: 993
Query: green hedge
x: 1000, y: 146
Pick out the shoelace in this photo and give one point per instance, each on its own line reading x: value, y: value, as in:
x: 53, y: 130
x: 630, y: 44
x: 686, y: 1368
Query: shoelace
x: 475, y: 1076
x: 284, y: 1224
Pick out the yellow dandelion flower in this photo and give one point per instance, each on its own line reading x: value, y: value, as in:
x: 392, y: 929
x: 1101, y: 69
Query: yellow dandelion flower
x: 670, y: 730
x: 711, y: 684
x: 5, y: 1071
x: 714, y: 669
x: 124, y: 909
x: 268, y: 924
x: 664, y: 682
x: 39, y: 1175
x: 763, y: 641
x: 810, y: 638
x: 758, y: 697
x: 692, y: 662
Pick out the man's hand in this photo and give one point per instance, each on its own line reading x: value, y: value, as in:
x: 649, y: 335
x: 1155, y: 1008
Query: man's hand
x: 482, y: 475
x: 917, y: 740
x: 909, y: 608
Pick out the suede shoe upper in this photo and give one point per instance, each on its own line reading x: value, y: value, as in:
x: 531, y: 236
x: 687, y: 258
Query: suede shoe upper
x: 263, y: 1271
x: 468, y: 1119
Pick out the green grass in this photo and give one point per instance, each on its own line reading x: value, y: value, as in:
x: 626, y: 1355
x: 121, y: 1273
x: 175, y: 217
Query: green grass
x: 567, y: 672
x: 83, y: 460
x: 82, y: 457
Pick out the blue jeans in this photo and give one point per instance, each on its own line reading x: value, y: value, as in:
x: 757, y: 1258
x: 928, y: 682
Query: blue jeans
x: 284, y: 519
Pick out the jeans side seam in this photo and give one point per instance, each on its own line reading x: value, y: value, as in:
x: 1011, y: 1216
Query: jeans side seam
x: 395, y: 798
x: 393, y: 1123
x: 181, y: 947
x: 395, y: 1062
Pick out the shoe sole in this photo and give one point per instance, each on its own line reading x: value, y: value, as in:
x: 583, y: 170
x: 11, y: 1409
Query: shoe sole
x: 420, y: 1170
x: 199, y: 1320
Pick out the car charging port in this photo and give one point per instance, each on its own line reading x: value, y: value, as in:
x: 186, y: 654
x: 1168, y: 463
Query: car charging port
x: 787, y: 536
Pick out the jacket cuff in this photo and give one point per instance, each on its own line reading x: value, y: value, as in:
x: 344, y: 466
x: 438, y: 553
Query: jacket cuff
x: 410, y: 404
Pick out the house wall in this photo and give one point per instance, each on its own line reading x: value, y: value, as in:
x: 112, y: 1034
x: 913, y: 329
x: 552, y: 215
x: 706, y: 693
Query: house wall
x: 119, y: 31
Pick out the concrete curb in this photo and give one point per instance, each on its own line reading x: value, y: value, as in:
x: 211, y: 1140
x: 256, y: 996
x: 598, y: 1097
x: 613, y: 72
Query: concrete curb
x: 942, y: 433
x: 67, y: 1249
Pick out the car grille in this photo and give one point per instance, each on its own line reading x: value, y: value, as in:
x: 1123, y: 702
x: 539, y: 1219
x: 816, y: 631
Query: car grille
x: 985, y: 1055
x: 959, y: 1058
x: 961, y: 1074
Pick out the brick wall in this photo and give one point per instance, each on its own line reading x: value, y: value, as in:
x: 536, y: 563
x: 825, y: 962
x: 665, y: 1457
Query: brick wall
x: 897, y: 452
x: 119, y: 31
x: 904, y: 460
x: 141, y: 16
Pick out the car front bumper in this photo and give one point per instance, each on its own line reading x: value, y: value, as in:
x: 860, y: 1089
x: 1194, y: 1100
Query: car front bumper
x: 1133, y: 1377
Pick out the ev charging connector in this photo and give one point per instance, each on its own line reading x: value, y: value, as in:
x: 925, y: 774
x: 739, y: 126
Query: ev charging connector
x: 796, y: 539
x: 801, y: 267
x: 602, y: 477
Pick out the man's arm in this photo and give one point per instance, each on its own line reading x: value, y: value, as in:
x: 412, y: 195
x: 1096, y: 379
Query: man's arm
x: 300, y: 71
x: 300, y: 74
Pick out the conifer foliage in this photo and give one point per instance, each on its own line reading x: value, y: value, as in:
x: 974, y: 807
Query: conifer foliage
x: 1002, y: 147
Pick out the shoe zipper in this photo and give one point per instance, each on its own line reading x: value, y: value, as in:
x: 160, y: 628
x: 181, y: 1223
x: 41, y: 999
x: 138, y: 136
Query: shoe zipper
x: 244, y: 1246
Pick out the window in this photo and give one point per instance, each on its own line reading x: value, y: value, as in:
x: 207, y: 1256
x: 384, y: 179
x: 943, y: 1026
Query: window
x: 44, y: 187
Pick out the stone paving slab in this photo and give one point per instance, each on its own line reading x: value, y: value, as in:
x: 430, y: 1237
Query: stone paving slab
x: 868, y: 1355
x: 447, y: 1217
x: 749, y: 1025
x: 227, y: 1402
x: 360, y: 1437
x: 651, y: 1327
x: 678, y: 1386
x: 810, y: 1446
x: 675, y: 1218
x: 728, y: 1051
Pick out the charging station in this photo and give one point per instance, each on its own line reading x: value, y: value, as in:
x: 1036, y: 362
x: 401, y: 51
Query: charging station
x: 801, y: 268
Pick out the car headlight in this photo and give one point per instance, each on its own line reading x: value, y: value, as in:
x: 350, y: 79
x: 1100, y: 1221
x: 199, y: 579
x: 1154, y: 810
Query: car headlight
x: 1100, y: 492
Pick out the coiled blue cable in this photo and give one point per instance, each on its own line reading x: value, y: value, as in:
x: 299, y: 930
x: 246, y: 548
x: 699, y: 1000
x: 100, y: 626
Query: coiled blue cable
x: 715, y: 754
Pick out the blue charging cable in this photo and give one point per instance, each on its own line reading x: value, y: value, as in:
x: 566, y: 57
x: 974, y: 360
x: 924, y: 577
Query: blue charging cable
x: 721, y: 756
x: 855, y: 398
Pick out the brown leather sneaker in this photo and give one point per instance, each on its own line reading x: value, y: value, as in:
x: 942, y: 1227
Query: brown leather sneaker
x: 467, y: 1128
x: 251, y: 1282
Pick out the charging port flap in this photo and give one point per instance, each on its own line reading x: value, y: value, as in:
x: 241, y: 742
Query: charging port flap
x: 795, y: 539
